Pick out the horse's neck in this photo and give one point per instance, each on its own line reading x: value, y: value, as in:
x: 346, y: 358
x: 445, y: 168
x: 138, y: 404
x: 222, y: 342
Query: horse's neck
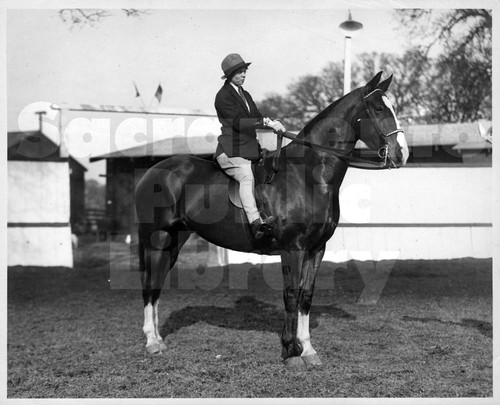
x: 334, y: 127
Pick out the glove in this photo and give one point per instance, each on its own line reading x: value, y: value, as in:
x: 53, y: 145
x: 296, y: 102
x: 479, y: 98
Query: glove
x: 276, y: 126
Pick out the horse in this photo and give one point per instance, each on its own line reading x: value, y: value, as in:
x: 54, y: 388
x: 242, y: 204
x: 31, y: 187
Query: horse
x: 185, y: 194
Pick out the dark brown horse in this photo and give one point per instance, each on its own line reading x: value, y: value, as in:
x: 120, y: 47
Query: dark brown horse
x: 186, y: 194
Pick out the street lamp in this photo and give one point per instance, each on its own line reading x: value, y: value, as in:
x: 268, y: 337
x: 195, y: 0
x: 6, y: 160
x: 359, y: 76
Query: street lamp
x: 350, y: 28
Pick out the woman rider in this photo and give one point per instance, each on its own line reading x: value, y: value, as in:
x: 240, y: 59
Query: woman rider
x: 238, y: 145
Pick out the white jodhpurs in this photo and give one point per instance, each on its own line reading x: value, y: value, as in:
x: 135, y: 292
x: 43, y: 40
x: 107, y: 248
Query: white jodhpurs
x: 240, y: 169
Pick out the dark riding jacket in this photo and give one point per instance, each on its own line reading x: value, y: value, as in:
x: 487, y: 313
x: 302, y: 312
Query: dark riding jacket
x: 238, y: 138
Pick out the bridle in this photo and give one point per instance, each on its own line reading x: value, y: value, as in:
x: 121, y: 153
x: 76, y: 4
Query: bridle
x: 383, y: 153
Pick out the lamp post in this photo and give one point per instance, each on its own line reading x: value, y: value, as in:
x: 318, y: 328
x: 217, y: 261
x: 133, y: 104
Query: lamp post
x: 350, y: 28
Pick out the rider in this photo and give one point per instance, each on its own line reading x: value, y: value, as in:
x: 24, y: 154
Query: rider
x: 238, y: 145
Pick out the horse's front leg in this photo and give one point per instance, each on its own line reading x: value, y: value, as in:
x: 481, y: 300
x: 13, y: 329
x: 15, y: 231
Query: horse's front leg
x: 309, y: 271
x: 299, y: 272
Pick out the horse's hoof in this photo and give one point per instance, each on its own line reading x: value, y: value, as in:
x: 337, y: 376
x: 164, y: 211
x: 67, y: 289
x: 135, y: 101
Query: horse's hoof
x: 154, y: 348
x: 163, y: 346
x: 312, y: 360
x: 296, y: 363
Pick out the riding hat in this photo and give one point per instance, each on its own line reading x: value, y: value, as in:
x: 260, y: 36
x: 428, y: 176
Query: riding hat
x: 231, y: 64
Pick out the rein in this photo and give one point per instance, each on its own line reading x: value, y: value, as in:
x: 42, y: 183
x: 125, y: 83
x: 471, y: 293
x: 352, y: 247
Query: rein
x: 383, y: 152
x: 337, y: 153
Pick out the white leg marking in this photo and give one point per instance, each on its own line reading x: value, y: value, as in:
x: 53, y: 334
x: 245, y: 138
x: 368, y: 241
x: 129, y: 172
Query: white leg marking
x: 149, y: 328
x: 157, y: 327
x: 303, y: 334
x: 155, y: 317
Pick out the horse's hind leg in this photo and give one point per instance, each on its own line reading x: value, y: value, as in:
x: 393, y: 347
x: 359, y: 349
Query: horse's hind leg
x: 291, y: 263
x: 158, y: 253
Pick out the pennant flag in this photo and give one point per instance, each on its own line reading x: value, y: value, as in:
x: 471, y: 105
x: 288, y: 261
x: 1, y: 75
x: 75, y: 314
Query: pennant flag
x: 159, y: 92
x: 137, y: 94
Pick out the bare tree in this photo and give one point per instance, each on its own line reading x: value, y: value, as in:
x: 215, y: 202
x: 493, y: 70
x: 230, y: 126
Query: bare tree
x: 306, y: 97
x: 82, y: 17
x: 458, y: 87
x: 457, y: 28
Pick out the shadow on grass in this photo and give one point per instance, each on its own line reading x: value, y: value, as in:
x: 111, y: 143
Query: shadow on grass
x: 247, y: 314
x: 485, y: 328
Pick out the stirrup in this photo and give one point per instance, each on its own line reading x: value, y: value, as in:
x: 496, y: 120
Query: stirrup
x: 267, y: 220
x: 261, y: 228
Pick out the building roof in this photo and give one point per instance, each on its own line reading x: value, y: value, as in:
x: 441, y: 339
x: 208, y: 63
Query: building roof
x: 176, y: 145
x: 34, y: 146
x: 444, y: 134
x: 31, y: 145
x: 473, y: 145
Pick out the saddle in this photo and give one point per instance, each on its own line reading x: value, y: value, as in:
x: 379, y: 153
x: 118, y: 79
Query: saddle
x: 264, y: 169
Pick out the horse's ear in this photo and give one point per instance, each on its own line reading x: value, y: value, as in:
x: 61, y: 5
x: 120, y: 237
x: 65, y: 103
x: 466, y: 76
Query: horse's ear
x: 385, y: 84
x: 372, y: 84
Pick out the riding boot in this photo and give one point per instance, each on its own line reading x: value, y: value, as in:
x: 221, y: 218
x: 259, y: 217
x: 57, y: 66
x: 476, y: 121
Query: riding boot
x: 260, y: 227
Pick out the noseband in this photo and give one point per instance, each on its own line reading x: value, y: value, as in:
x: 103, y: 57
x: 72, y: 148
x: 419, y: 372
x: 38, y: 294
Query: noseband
x: 383, y: 152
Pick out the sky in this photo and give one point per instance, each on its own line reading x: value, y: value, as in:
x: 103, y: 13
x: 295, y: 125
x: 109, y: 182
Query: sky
x: 181, y: 48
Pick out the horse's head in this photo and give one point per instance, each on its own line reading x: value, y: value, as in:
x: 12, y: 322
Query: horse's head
x: 378, y: 126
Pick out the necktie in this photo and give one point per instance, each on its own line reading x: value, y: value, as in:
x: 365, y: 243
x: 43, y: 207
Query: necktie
x: 240, y: 91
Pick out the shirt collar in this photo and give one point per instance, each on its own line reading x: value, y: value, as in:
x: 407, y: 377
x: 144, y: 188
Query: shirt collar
x: 234, y: 86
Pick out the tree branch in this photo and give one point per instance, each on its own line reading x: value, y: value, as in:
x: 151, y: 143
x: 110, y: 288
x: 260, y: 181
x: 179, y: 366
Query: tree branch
x: 81, y: 17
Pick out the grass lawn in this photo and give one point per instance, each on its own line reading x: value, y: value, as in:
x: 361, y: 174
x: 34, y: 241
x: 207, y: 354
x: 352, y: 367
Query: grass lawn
x: 72, y: 333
